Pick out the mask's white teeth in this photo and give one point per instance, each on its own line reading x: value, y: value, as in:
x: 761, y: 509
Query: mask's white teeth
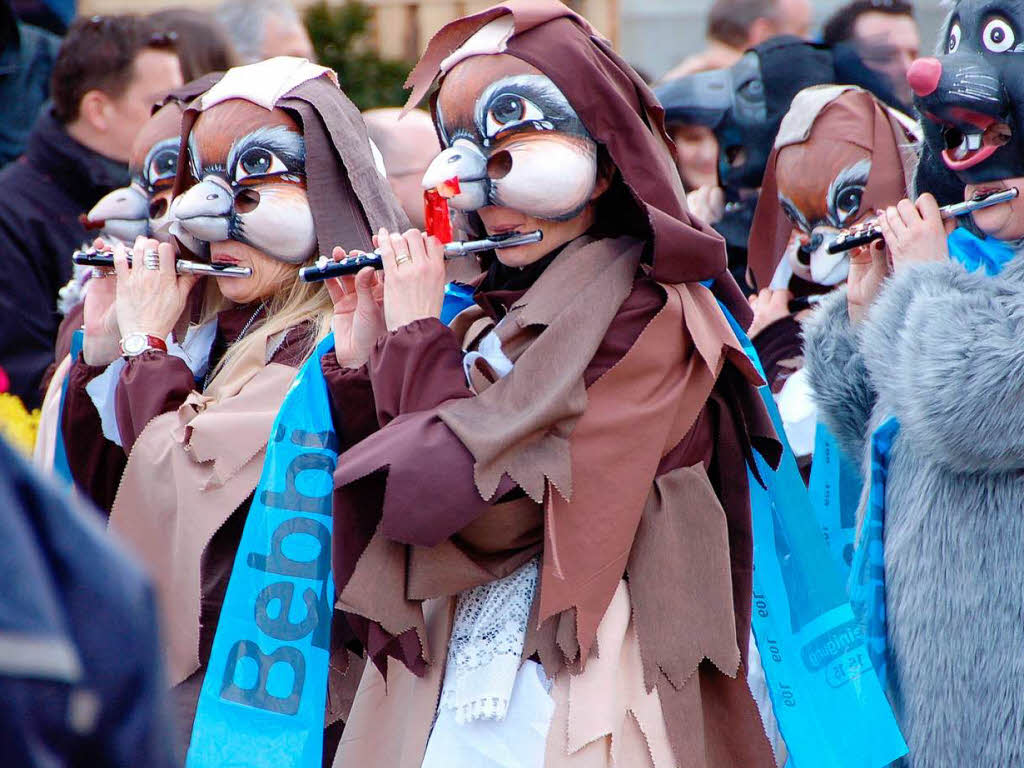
x: 973, y: 141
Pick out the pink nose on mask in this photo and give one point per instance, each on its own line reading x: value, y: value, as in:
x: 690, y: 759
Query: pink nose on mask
x: 924, y: 75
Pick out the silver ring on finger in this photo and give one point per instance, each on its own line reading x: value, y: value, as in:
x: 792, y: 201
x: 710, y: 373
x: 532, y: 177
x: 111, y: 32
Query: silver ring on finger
x: 151, y: 259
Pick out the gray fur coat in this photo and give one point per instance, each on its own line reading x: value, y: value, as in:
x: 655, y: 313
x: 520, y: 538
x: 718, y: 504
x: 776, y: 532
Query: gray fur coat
x: 943, y: 350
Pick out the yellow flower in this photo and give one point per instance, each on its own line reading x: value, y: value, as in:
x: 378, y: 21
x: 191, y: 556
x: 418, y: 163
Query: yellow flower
x: 17, y: 425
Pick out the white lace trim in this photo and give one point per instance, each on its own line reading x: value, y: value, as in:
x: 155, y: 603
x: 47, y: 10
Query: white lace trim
x: 486, y: 646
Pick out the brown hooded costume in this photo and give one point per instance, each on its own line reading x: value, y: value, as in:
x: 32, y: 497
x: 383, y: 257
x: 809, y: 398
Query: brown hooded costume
x: 615, y: 450
x: 839, y: 156
x: 195, y: 457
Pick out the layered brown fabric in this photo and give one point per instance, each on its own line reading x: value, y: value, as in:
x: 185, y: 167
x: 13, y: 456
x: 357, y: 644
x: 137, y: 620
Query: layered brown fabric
x: 208, y: 461
x: 638, y: 473
x: 823, y: 118
x: 614, y: 525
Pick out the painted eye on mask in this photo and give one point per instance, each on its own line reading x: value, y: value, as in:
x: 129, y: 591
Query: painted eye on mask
x: 848, y: 203
x: 162, y: 166
x: 846, y: 192
x: 258, y: 161
x: 998, y: 37
x: 508, y: 110
x: 953, y: 42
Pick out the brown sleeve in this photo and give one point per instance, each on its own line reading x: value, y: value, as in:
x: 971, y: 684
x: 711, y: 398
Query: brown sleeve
x: 72, y: 322
x: 151, y: 384
x: 96, y: 463
x: 351, y: 399
x: 776, y: 345
x: 416, y: 368
x: 431, y: 492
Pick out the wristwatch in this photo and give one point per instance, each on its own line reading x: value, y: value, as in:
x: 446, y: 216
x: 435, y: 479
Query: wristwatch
x: 134, y: 344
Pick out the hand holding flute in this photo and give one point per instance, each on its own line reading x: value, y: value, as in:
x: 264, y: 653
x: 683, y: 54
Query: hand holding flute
x: 350, y: 265
x: 370, y: 304
x: 862, y: 236
x: 912, y: 233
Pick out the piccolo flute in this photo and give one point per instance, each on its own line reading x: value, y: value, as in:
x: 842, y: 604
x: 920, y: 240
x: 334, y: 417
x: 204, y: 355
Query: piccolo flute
x: 976, y: 203
x: 325, y: 268
x: 105, y: 259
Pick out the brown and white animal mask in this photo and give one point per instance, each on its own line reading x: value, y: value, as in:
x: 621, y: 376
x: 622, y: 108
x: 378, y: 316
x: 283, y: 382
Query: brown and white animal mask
x: 141, y: 208
x: 248, y: 169
x: 512, y: 139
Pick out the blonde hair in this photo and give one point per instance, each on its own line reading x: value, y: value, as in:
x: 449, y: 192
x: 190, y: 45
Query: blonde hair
x: 294, y: 304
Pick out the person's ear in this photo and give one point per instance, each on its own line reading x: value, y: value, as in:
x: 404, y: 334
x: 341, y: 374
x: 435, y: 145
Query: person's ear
x: 605, y: 174
x: 95, y: 109
x: 600, y: 186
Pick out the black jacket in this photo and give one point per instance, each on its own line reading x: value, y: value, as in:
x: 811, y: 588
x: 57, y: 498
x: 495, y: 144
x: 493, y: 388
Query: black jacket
x: 27, y: 56
x: 42, y: 195
x: 81, y: 679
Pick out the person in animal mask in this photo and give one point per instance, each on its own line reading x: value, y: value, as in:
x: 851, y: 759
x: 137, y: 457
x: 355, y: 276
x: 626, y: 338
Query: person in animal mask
x: 277, y: 167
x: 840, y: 155
x: 744, y: 105
x: 517, y: 499
x: 124, y: 214
x: 140, y: 209
x: 916, y: 365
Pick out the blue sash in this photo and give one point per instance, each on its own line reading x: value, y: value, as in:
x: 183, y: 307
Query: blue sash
x: 867, y: 576
x: 835, y: 490
x: 829, y: 705
x: 60, y: 455
x: 457, y: 296
x: 263, y: 696
x: 976, y: 253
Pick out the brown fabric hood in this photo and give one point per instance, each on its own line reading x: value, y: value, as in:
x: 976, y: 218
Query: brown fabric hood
x: 349, y: 198
x: 826, y: 115
x: 189, y: 92
x: 621, y: 113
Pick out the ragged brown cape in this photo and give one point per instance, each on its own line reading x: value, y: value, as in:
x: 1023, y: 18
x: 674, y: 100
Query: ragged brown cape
x: 605, y: 477
x: 587, y: 459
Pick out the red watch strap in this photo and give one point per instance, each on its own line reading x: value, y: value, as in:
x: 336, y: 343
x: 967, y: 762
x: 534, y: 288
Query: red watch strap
x: 156, y: 343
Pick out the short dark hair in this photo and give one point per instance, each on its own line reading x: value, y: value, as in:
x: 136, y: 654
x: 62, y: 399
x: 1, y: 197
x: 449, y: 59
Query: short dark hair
x: 729, y: 21
x: 839, y: 27
x: 202, y: 44
x: 99, y: 53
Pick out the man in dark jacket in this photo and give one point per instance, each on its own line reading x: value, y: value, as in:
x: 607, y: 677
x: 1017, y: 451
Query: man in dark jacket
x: 81, y: 681
x: 109, y: 71
x: 27, y: 55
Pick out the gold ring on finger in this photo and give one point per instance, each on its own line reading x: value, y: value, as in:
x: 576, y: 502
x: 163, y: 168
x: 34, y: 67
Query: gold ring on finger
x: 403, y: 258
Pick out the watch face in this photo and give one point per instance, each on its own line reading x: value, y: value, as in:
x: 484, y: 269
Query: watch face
x: 134, y: 343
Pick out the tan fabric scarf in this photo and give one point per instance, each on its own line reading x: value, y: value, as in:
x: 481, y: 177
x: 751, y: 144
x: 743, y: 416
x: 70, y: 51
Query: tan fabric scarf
x: 187, y: 473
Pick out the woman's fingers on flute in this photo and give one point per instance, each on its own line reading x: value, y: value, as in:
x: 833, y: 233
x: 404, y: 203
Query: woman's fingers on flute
x: 928, y: 207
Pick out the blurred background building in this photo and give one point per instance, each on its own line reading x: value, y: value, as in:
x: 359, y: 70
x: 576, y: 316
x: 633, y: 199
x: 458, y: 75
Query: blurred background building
x: 653, y: 35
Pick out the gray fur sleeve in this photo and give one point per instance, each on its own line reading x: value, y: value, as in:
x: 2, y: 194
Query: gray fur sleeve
x: 835, y: 367
x: 945, y: 350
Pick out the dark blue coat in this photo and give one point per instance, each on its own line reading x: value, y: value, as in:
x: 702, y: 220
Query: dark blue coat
x: 27, y: 55
x: 81, y: 681
x: 42, y: 195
